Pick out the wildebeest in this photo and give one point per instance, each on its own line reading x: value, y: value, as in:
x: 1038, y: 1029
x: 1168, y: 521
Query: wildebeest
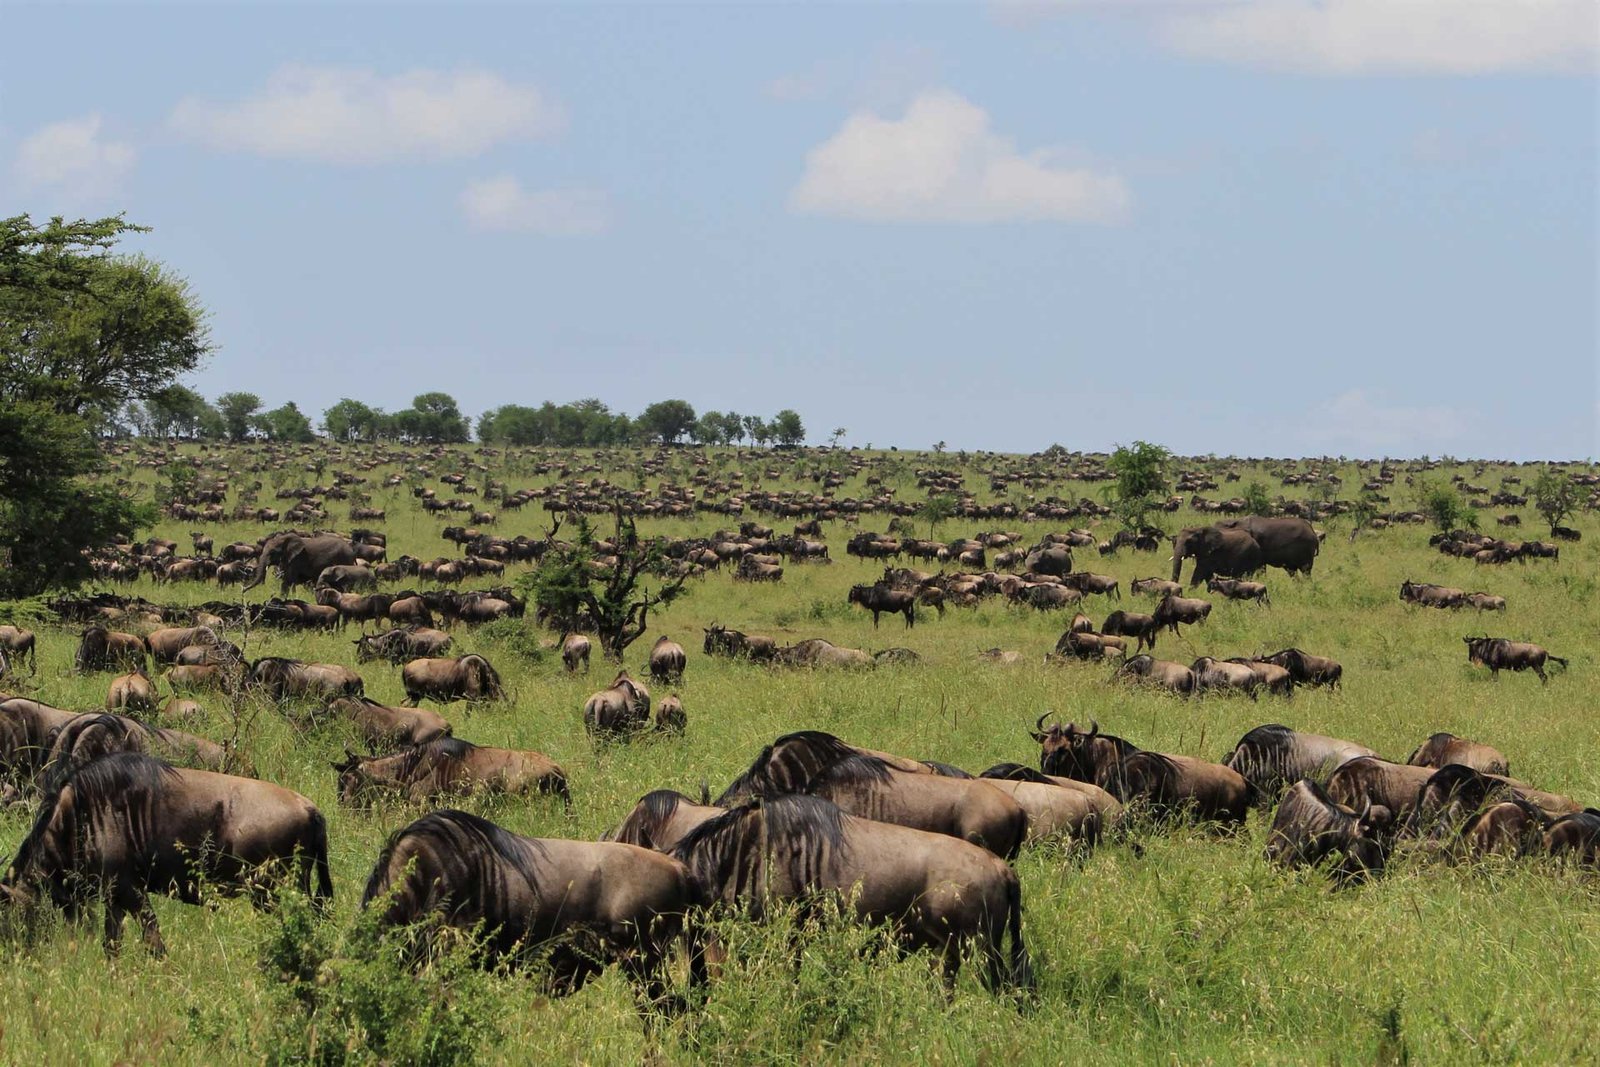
x: 385, y: 728
x: 20, y: 644
x: 1431, y: 596
x: 128, y: 825
x: 1448, y: 798
x: 1089, y: 645
x: 284, y: 678
x: 725, y: 642
x: 670, y: 716
x: 89, y: 737
x: 1500, y: 654
x: 1274, y: 679
x: 449, y: 766
x: 402, y: 645
x: 362, y: 607
x: 1190, y: 611
x: 936, y: 893
x: 619, y: 709
x: 27, y: 728
x: 1274, y: 756
x: 575, y: 650
x: 1166, y: 784
x: 667, y: 660
x: 1367, y: 779
x: 132, y: 692
x: 660, y: 820
x: 1238, y: 589
x: 597, y: 902
x: 1307, y: 669
x: 166, y: 644
x: 1132, y: 624
x: 880, y: 598
x: 1443, y: 749
x: 1309, y: 828
x: 1088, y: 584
x: 1486, y: 602
x: 1156, y: 587
x: 469, y: 678
x: 1165, y: 673
x: 1512, y: 828
x: 753, y: 570
x: 100, y: 649
x: 1082, y: 624
x: 1575, y: 836
x: 1054, y: 810
x: 820, y: 764
x: 1212, y: 675
x: 816, y: 652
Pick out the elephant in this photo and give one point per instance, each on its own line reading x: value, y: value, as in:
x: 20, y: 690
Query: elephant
x: 1237, y: 548
x: 1288, y: 543
x: 1216, y: 551
x: 1049, y: 559
x: 300, y: 559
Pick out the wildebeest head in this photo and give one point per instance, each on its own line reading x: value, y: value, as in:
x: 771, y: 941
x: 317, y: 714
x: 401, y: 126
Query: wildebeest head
x: 355, y: 784
x: 1070, y: 752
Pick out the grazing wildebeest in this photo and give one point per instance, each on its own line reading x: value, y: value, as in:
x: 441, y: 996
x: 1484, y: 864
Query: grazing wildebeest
x: 132, y: 692
x: 128, y: 825
x: 100, y: 649
x: 667, y: 660
x: 1443, y: 749
x: 1486, y: 602
x: 1053, y: 810
x: 1089, y: 646
x: 661, y: 819
x: 620, y: 709
x: 725, y: 642
x: 362, y: 607
x: 820, y: 764
x: 284, y: 678
x: 1106, y: 807
x: 1049, y: 597
x: 1167, y: 784
x: 27, y: 728
x: 1221, y: 675
x: 402, y: 645
x: 1431, y: 596
x: 1449, y: 798
x: 1089, y: 584
x: 1190, y: 611
x: 1575, y: 836
x: 20, y: 644
x: 1132, y: 624
x: 167, y: 644
x: 575, y: 650
x: 449, y: 766
x: 384, y: 727
x: 1512, y: 828
x: 1273, y: 756
x: 670, y: 716
x: 1367, y: 779
x: 936, y: 893
x: 1165, y: 673
x: 1307, y: 669
x: 1274, y: 679
x: 1237, y: 589
x: 597, y: 902
x: 1309, y: 828
x: 468, y: 678
x: 91, y: 736
x: 1081, y: 624
x: 1499, y: 654
x: 1156, y: 587
x: 880, y: 598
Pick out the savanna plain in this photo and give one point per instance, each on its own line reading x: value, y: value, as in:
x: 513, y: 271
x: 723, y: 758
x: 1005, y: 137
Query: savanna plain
x: 1165, y: 943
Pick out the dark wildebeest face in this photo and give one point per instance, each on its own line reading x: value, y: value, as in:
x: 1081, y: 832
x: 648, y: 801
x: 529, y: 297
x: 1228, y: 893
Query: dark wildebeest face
x: 1066, y: 751
x: 356, y: 786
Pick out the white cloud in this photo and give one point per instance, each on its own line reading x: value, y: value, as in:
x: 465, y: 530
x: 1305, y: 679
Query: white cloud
x: 1355, y: 37
x: 71, y: 159
x: 943, y: 163
x: 349, y: 115
x: 1365, y: 423
x: 501, y: 203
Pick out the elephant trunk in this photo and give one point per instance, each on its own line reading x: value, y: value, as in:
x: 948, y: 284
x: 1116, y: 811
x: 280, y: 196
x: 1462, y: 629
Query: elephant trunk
x: 1178, y: 556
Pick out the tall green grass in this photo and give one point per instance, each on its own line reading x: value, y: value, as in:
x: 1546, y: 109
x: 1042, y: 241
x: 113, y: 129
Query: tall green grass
x: 1180, y: 945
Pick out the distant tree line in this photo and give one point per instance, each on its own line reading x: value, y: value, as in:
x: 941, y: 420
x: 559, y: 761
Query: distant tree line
x: 180, y: 412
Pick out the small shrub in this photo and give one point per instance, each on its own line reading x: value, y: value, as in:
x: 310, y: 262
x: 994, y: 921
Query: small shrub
x: 517, y: 636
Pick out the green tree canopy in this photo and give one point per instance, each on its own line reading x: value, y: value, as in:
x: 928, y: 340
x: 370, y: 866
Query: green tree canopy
x: 177, y: 411
x: 787, y: 429
x: 351, y: 420
x: 666, y: 421
x: 286, y: 423
x: 1555, y: 496
x: 1141, y: 480
x: 238, y: 412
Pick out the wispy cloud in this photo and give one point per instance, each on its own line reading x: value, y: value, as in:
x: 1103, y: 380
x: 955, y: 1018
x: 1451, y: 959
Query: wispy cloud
x: 942, y: 162
x: 354, y: 116
x: 74, y: 162
x: 1363, y: 422
x: 502, y: 204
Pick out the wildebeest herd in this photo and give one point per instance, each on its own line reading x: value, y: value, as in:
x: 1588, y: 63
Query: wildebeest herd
x: 125, y: 799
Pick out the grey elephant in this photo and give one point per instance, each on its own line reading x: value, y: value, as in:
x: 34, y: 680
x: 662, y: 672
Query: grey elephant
x: 1216, y: 551
x: 301, y: 559
x: 1289, y: 543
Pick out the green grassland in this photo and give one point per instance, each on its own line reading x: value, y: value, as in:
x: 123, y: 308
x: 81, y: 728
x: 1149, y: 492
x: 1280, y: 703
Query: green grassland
x: 1177, y: 946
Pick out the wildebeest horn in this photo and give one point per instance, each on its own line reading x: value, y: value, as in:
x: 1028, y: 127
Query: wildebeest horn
x: 1040, y: 724
x: 1094, y: 728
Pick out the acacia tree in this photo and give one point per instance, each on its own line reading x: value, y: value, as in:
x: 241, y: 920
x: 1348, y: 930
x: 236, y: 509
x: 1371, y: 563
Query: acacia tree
x: 238, y: 412
x: 572, y: 591
x: 1555, y: 497
x: 1141, y: 479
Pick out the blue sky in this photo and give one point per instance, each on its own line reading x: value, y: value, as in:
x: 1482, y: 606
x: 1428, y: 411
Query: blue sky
x: 1268, y: 227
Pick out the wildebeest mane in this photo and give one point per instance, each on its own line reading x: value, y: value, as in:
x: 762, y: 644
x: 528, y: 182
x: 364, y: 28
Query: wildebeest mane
x: 802, y: 832
x: 66, y: 735
x: 647, y: 816
x: 458, y: 833
x: 944, y: 770
x: 1015, y: 772
x: 788, y: 765
x: 453, y: 749
x: 125, y: 781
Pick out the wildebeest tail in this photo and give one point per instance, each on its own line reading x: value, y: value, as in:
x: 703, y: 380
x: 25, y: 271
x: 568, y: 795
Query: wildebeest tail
x: 318, y: 847
x: 1021, y: 970
x: 1557, y: 659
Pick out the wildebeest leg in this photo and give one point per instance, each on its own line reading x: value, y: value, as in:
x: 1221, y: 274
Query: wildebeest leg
x: 874, y: 619
x: 1539, y: 670
x: 151, y: 930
